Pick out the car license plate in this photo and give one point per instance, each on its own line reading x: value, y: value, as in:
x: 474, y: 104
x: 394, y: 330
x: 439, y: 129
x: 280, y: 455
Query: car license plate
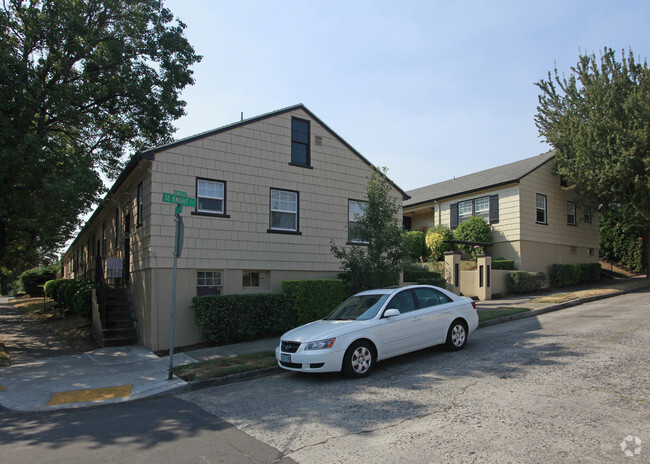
x: 285, y: 358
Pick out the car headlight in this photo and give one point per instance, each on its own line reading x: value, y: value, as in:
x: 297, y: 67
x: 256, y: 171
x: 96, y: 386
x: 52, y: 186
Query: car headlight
x: 320, y: 344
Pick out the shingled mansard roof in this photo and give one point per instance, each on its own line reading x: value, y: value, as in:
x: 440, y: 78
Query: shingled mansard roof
x: 490, y: 178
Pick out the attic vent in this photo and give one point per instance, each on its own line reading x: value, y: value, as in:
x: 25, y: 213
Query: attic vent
x: 318, y: 140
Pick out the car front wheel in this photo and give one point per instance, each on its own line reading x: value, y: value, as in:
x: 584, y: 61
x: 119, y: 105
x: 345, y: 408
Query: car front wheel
x: 457, y: 336
x: 359, y: 360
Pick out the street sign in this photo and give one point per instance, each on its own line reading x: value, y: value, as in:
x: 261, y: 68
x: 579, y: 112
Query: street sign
x: 180, y: 198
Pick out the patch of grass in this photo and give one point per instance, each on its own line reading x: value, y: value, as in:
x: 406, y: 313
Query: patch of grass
x: 225, y: 366
x: 495, y: 313
x: 76, y: 330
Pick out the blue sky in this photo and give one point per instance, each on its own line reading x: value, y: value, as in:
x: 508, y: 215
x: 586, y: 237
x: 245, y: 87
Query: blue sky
x: 428, y: 89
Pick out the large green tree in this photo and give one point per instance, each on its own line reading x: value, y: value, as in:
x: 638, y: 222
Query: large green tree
x: 376, y: 261
x: 598, y: 121
x: 83, y: 82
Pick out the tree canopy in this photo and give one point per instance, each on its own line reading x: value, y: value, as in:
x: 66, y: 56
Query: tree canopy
x: 598, y: 121
x: 376, y: 261
x: 83, y: 82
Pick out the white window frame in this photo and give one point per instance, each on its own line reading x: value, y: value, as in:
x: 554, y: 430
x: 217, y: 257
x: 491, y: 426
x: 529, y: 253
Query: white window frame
x: 210, y: 194
x: 482, y: 207
x: 464, y: 210
x: 284, y: 202
x: 209, y: 279
x: 355, y: 208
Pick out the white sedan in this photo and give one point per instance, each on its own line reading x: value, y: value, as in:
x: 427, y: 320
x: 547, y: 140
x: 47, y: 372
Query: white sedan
x: 375, y: 325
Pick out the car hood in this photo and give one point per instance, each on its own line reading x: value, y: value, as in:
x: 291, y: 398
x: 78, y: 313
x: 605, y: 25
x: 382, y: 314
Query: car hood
x: 320, y: 330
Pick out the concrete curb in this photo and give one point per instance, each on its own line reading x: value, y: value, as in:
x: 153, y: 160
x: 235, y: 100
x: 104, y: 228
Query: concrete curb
x: 232, y: 378
x: 557, y: 307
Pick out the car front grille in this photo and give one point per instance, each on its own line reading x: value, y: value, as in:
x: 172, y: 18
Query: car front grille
x: 289, y: 347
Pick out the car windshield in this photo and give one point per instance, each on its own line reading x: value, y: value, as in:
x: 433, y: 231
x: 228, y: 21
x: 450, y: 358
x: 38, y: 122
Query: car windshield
x: 358, y: 308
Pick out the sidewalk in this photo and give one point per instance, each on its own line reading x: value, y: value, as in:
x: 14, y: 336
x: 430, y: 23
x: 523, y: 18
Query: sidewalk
x: 112, y: 375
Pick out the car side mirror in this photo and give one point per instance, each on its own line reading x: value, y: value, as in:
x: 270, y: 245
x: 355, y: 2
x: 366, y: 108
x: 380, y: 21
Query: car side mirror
x: 391, y: 312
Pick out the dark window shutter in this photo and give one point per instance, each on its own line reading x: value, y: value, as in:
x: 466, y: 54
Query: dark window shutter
x: 453, y: 211
x: 494, y: 209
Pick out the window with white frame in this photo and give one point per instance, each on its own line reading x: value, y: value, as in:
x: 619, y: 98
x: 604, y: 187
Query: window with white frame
x: 587, y: 211
x: 356, y: 208
x: 208, y: 283
x: 284, y: 211
x: 482, y: 207
x: 541, y: 209
x: 486, y: 207
x: 464, y: 210
x: 570, y: 213
x: 210, y: 196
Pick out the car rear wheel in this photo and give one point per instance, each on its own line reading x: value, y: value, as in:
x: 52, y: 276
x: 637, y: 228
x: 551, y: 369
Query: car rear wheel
x: 457, y: 335
x: 359, y: 360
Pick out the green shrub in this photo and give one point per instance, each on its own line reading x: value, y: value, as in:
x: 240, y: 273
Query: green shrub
x: 414, y: 275
x: 81, y: 300
x: 524, y: 282
x: 33, y: 280
x: 414, y: 245
x: 58, y: 291
x: 311, y: 300
x: 236, y: 318
x: 572, y: 274
x: 503, y: 264
x: 435, y: 242
x: 50, y: 286
x: 475, y: 229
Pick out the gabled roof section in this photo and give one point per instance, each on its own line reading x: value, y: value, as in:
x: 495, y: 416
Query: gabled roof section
x: 150, y: 153
x: 490, y: 178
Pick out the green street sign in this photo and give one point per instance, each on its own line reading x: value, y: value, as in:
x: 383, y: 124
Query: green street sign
x: 180, y: 198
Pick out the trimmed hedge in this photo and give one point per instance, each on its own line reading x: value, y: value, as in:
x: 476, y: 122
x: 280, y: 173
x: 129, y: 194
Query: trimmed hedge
x: 32, y: 280
x: 503, y: 264
x: 572, y: 274
x: 75, y: 295
x: 417, y: 275
x: 236, y: 318
x: 312, y: 300
x: 523, y: 281
x: 437, y: 281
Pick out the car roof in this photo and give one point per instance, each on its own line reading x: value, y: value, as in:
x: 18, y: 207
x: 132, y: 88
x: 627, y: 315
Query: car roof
x: 390, y: 290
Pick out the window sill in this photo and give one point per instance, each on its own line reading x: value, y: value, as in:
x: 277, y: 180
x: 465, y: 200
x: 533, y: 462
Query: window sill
x: 202, y: 213
x: 298, y: 165
x: 542, y: 223
x: 283, y: 232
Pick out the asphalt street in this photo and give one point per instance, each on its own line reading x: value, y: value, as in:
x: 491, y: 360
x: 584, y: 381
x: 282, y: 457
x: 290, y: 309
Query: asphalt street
x: 568, y: 386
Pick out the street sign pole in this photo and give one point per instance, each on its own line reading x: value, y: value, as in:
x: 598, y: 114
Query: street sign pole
x: 181, y: 199
x: 177, y: 219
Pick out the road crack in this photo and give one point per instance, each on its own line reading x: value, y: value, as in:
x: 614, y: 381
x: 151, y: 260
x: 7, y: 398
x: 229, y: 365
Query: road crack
x: 445, y: 410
